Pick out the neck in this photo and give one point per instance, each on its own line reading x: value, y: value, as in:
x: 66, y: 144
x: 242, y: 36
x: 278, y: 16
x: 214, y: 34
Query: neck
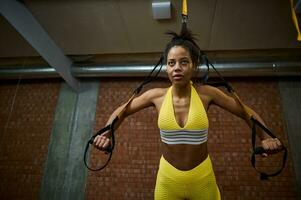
x: 181, y: 90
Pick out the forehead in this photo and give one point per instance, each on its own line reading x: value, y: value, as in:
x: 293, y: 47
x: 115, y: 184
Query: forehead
x: 177, y: 52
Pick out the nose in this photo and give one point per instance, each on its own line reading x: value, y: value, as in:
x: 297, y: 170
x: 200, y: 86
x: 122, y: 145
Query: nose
x: 177, y: 66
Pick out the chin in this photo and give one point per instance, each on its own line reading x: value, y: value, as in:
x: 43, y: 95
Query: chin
x: 180, y: 82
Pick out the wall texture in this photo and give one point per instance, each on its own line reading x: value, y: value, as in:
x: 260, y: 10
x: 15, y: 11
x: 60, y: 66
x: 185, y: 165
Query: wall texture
x: 26, y: 115
x: 25, y: 130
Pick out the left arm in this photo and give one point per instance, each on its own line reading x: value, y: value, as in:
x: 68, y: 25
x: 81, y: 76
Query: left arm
x: 228, y: 103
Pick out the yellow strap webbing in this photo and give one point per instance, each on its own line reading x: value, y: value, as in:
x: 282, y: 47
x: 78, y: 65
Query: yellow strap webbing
x: 184, y: 7
x: 295, y: 20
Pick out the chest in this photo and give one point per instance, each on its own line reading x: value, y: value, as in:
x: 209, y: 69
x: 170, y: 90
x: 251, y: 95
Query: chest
x: 181, y: 108
x: 188, y: 113
x: 182, y: 113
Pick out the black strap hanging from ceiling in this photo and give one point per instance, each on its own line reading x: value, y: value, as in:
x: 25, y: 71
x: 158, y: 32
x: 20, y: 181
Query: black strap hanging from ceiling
x: 110, y: 127
x: 255, y: 123
x: 223, y: 83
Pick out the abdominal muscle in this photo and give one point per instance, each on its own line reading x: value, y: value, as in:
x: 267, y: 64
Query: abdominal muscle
x: 184, y: 156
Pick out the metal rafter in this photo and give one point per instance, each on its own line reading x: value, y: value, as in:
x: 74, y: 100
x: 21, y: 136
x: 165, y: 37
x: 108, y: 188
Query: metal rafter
x: 24, y: 22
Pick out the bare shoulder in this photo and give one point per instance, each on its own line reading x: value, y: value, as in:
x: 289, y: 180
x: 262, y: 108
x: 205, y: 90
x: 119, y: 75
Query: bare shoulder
x: 156, y: 96
x: 155, y: 93
x: 210, y: 94
x: 208, y: 90
x: 148, y: 98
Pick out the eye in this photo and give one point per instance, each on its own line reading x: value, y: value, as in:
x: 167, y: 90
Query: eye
x: 171, y: 63
x: 184, y: 62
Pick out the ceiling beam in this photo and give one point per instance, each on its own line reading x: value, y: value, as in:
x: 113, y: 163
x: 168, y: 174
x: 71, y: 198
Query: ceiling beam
x: 24, y: 22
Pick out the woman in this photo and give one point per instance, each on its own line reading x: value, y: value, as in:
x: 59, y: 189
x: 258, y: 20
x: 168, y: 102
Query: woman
x: 185, y: 170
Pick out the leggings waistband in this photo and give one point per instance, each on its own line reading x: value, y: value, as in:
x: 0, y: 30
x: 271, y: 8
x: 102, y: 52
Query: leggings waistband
x: 200, y: 171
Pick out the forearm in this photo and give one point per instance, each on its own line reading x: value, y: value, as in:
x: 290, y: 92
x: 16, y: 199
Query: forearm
x: 129, y: 108
x: 260, y: 133
x: 114, y: 115
x: 102, y: 142
x: 238, y: 108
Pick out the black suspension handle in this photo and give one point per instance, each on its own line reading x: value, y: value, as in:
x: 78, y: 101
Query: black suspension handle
x: 152, y: 75
x: 101, y: 131
x: 259, y: 150
x: 109, y: 150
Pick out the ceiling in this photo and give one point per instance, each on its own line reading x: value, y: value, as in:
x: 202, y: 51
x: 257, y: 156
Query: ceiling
x: 113, y: 27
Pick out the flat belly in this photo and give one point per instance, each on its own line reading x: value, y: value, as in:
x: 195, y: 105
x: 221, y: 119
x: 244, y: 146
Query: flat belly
x: 183, y: 156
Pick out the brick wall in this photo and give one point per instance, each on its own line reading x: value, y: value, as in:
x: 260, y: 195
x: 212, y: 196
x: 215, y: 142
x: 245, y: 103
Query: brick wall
x: 26, y: 116
x: 25, y: 131
x: 132, y: 171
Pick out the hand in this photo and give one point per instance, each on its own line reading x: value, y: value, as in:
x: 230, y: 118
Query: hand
x: 102, y: 142
x: 271, y: 146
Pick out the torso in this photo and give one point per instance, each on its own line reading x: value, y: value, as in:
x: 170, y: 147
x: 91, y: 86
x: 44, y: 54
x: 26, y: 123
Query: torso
x: 183, y: 156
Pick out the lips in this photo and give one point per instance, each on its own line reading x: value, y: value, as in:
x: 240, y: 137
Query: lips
x: 177, y: 76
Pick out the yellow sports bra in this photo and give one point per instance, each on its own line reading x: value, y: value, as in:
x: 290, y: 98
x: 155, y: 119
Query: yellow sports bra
x: 195, y: 130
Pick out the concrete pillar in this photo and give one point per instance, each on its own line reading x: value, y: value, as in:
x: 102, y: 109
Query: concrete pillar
x: 65, y: 174
x: 290, y: 91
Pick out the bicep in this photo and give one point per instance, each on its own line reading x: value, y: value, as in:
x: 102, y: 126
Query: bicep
x: 138, y: 103
x: 227, y: 102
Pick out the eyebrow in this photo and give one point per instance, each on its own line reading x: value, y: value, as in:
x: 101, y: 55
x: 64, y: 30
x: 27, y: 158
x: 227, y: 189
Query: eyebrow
x: 179, y: 59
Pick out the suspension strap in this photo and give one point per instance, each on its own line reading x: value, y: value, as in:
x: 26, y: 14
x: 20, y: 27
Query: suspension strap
x: 151, y: 76
x: 260, y: 150
x: 110, y: 127
x: 184, y: 10
x: 295, y: 20
x: 255, y: 123
x: 184, y: 15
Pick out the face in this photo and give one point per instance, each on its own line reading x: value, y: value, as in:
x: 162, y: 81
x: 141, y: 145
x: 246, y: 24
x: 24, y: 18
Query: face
x: 179, y: 66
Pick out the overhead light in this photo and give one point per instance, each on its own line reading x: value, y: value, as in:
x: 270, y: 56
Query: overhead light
x: 161, y: 9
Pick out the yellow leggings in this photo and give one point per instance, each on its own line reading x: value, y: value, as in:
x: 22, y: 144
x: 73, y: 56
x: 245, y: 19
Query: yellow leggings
x: 196, y: 184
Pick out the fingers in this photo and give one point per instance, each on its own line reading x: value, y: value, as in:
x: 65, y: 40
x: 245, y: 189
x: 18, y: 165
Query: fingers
x: 264, y: 155
x: 101, y: 142
x: 271, y: 145
x: 278, y: 142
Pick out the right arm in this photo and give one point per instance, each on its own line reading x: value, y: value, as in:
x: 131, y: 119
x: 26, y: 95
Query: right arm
x: 145, y: 100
